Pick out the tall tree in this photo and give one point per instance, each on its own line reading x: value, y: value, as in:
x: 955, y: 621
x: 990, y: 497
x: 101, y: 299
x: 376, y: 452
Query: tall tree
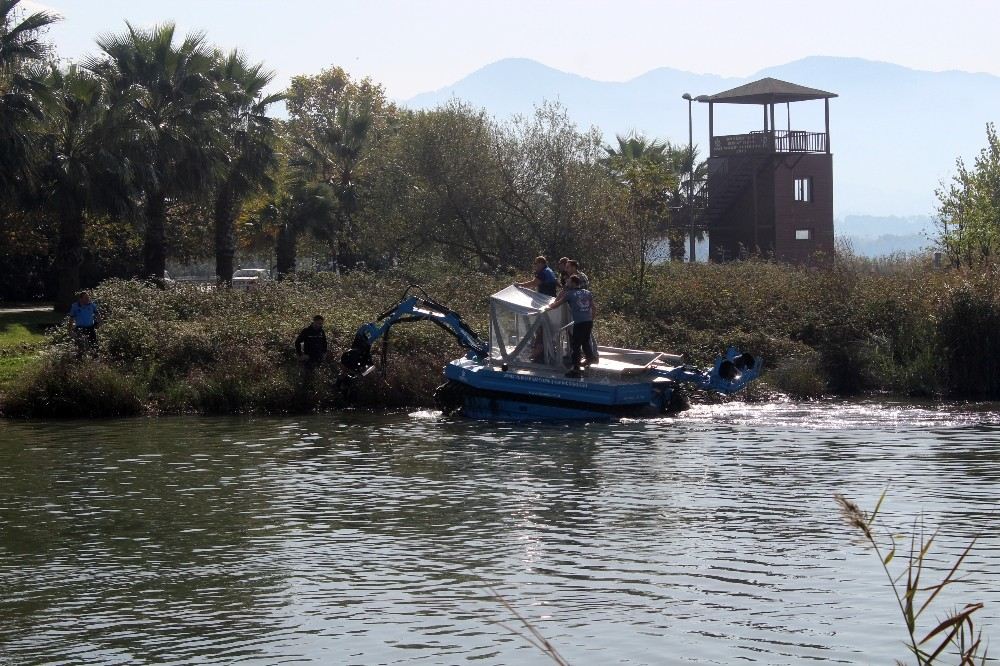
x: 171, y: 93
x: 460, y: 186
x: 303, y: 207
x: 335, y: 153
x: 686, y: 196
x: 643, y: 171
x: 334, y: 125
x: 552, y: 183
x: 681, y: 199
x: 969, y: 207
x: 22, y: 90
x: 636, y: 147
x: 251, y: 150
x: 83, y: 169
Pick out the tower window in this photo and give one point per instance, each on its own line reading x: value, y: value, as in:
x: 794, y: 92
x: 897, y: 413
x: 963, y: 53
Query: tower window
x: 803, y: 189
x: 803, y: 234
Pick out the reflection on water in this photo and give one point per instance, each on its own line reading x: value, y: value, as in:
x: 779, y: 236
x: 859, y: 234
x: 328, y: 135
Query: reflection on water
x: 368, y: 539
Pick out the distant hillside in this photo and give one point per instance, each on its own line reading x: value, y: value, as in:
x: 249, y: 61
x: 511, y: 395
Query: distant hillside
x: 871, y: 226
x: 895, y: 131
x: 874, y: 236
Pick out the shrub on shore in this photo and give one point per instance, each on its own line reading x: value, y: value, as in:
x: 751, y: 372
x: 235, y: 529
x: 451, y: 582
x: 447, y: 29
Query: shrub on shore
x: 77, y: 388
x: 846, y: 329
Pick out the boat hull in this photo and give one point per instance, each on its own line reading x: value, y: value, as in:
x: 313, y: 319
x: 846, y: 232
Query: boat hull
x: 487, y: 392
x: 516, y: 408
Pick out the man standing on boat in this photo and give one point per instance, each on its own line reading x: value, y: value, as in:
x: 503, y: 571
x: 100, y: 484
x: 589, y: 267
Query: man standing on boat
x: 573, y: 268
x: 545, y: 281
x: 561, y: 272
x: 581, y: 305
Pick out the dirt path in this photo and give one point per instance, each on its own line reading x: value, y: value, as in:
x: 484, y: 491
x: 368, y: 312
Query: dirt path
x: 28, y: 308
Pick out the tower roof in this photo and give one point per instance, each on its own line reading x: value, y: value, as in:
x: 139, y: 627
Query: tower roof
x: 767, y: 91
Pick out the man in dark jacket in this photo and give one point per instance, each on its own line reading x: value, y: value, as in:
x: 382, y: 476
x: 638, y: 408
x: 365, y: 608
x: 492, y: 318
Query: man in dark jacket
x: 311, y: 343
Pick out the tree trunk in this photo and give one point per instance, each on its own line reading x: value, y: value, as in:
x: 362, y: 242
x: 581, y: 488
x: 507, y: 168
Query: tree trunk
x: 69, y: 257
x: 225, y: 240
x: 344, y: 257
x: 284, y: 251
x: 154, y: 247
x: 675, y: 241
x: 677, y: 227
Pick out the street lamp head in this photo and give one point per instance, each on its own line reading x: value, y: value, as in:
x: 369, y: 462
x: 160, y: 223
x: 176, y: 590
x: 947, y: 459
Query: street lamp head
x: 687, y: 96
x: 702, y: 98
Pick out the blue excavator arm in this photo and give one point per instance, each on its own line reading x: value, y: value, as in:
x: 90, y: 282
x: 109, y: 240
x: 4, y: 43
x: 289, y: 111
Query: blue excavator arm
x: 357, y: 360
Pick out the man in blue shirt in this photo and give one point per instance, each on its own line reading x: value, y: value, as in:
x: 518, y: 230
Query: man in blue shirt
x: 545, y: 281
x: 84, y: 320
x: 581, y: 305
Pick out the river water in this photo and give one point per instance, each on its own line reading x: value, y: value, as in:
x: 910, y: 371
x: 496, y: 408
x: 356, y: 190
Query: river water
x: 376, y: 539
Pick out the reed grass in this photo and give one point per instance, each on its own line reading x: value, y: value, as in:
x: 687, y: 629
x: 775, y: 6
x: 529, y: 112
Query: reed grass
x: 527, y: 631
x: 957, y: 631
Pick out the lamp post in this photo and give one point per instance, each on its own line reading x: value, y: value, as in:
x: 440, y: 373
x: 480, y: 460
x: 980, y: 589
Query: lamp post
x: 690, y: 99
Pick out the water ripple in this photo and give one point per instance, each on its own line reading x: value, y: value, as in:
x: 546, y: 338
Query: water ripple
x: 372, y: 539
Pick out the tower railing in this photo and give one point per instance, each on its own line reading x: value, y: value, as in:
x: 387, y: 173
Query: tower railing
x: 769, y: 141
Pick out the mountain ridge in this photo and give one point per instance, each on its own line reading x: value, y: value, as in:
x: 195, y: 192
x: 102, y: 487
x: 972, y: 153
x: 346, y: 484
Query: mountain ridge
x: 896, y: 131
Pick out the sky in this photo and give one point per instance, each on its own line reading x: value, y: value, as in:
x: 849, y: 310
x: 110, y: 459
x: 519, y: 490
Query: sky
x: 421, y: 45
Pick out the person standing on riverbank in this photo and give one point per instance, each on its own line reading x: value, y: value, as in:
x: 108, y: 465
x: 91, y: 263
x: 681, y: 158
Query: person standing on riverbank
x: 84, y: 318
x: 311, y: 343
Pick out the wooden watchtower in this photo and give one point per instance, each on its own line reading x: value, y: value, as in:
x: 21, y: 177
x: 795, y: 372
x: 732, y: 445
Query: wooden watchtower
x: 770, y: 190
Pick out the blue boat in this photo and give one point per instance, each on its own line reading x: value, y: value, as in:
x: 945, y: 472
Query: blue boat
x: 519, y: 373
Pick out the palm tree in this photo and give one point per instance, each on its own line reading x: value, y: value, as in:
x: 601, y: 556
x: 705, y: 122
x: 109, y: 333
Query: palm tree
x: 251, y: 152
x: 640, y: 169
x: 646, y: 168
x: 335, y: 154
x: 681, y: 200
x: 22, y: 90
x: 304, y: 207
x: 686, y: 196
x: 82, y: 169
x: 172, y: 95
x: 636, y: 147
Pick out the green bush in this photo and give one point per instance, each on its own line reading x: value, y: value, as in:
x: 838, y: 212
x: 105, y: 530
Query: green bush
x: 800, y: 378
x: 66, y: 387
x: 969, y: 328
x: 848, y: 328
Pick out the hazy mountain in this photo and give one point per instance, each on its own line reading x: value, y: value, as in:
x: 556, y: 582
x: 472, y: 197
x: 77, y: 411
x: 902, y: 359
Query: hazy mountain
x: 871, y: 226
x: 873, y: 236
x: 895, y: 132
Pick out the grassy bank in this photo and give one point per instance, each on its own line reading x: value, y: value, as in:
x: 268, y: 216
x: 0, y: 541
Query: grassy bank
x: 851, y: 328
x: 22, y: 338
